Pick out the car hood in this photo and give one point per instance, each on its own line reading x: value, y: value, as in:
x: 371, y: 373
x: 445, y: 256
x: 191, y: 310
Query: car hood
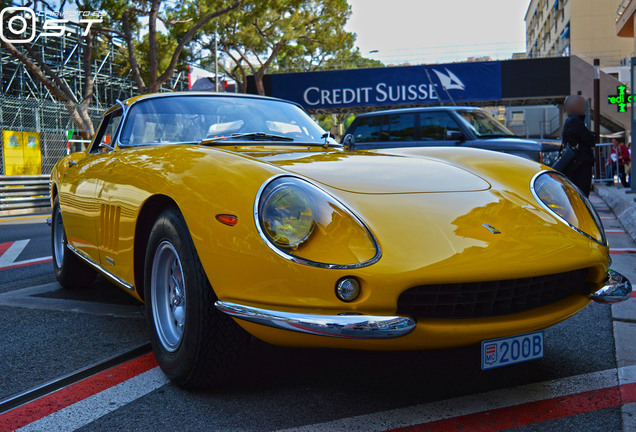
x: 377, y: 173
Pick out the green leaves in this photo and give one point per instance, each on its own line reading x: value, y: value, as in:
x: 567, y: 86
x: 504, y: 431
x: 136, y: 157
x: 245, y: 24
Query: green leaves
x: 269, y: 34
x: 157, y: 33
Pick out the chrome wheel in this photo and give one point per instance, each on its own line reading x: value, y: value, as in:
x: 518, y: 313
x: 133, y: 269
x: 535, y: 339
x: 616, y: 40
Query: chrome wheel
x: 168, y: 296
x: 59, y: 238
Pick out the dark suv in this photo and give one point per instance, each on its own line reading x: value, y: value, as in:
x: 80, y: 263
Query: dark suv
x: 443, y: 126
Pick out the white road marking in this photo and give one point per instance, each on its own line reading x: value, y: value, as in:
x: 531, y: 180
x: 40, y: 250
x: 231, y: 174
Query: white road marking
x: 92, y: 408
x: 8, y: 258
x: 465, y: 405
x: 29, y: 261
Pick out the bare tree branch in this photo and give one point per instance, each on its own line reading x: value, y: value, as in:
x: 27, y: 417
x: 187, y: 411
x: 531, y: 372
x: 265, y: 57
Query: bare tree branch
x: 35, y: 70
x: 152, y: 44
x: 132, y: 56
x: 173, y: 22
x: 52, y: 75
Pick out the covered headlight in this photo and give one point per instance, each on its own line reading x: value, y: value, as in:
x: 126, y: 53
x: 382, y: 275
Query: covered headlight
x: 304, y: 223
x: 557, y: 194
x: 288, y: 216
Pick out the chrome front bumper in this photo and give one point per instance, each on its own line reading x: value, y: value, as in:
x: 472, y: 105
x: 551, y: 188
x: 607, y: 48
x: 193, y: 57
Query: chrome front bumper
x: 340, y: 326
x: 617, y: 289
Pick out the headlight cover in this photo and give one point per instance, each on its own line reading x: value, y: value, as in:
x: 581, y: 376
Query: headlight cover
x: 305, y: 224
x: 564, y: 200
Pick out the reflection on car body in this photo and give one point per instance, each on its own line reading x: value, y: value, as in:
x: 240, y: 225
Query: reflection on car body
x: 443, y: 126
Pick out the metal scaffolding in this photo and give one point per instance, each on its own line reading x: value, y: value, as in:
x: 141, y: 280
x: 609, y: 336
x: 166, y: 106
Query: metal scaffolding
x: 27, y: 105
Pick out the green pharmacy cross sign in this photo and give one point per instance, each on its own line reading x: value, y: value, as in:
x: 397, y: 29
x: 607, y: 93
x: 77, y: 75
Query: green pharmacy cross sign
x: 620, y: 99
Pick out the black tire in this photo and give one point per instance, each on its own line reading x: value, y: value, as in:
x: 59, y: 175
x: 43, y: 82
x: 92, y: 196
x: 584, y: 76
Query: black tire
x: 70, y: 271
x: 208, y: 351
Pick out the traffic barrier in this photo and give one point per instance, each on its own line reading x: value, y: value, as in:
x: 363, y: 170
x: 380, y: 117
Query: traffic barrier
x: 24, y: 191
x: 604, y: 155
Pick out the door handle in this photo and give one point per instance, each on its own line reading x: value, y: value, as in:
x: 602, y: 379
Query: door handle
x: 72, y: 163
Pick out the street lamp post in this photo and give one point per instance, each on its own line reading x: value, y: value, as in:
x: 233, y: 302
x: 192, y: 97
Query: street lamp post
x: 216, y: 60
x: 633, y: 122
x: 597, y: 115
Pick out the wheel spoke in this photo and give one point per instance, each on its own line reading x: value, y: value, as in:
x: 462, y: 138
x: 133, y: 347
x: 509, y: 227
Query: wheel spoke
x: 168, y: 296
x: 59, y: 238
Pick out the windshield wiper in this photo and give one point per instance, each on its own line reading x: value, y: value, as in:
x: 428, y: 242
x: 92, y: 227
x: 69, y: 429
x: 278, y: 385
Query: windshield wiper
x: 256, y: 136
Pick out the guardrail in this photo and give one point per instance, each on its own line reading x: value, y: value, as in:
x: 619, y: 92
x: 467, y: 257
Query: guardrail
x: 603, y: 156
x: 24, y: 191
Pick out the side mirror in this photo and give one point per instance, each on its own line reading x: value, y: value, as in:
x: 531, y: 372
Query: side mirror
x: 453, y: 135
x: 348, y: 141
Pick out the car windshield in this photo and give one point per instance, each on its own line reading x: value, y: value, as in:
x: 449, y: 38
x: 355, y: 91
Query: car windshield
x: 191, y: 119
x: 483, y: 124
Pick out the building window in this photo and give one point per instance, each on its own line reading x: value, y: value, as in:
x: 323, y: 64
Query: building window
x: 517, y: 117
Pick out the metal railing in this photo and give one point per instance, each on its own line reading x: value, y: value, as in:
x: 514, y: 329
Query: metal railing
x: 519, y: 128
x: 23, y: 192
x: 607, y: 171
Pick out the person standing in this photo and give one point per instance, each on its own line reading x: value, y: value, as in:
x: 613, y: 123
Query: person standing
x: 619, y: 157
x: 628, y: 167
x: 579, y: 138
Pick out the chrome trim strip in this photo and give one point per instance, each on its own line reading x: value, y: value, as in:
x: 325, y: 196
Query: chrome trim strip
x: 585, y: 200
x: 307, y: 262
x: 339, y: 326
x: 617, y: 289
x: 101, y: 269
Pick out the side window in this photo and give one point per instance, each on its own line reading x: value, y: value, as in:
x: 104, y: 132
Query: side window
x: 402, y: 127
x: 106, y: 134
x: 367, y: 129
x: 435, y: 124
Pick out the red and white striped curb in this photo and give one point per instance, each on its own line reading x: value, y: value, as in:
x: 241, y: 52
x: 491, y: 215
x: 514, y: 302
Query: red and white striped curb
x: 81, y: 403
x: 499, y: 409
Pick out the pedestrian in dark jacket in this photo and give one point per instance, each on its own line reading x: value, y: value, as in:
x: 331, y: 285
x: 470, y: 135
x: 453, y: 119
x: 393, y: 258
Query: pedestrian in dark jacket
x: 576, y: 135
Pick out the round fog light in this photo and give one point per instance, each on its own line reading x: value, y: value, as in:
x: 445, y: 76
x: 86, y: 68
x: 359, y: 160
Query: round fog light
x: 348, y: 289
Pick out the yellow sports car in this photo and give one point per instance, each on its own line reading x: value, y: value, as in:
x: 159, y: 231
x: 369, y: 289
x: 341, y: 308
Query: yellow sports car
x: 231, y: 215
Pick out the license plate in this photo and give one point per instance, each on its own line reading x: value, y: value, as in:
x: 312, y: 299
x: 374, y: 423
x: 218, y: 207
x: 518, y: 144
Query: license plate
x: 511, y: 350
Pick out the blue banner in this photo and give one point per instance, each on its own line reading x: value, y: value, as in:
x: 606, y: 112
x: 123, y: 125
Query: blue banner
x: 459, y: 82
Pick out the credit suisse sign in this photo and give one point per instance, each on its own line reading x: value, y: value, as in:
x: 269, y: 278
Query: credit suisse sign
x: 459, y: 82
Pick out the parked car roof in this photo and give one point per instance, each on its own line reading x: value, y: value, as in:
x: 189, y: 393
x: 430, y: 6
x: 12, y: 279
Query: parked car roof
x: 419, y: 109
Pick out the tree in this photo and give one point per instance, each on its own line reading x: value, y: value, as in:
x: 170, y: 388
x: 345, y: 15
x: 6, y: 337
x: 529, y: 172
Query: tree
x: 260, y: 31
x: 348, y: 59
x: 124, y: 18
x: 77, y: 107
x: 181, y: 23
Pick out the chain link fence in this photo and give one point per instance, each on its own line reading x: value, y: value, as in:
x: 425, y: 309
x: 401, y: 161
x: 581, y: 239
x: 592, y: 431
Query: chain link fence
x: 34, y: 134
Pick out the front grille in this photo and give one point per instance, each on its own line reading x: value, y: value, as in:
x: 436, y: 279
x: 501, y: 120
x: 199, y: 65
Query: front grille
x: 487, y: 299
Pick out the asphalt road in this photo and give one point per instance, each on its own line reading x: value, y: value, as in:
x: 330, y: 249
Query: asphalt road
x: 46, y: 332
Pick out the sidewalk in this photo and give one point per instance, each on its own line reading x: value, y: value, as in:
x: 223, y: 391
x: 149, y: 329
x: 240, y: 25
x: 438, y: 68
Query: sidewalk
x: 622, y: 204
x: 613, y: 201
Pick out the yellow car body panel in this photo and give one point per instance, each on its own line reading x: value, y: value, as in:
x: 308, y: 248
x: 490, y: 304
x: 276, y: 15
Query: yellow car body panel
x: 430, y: 230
